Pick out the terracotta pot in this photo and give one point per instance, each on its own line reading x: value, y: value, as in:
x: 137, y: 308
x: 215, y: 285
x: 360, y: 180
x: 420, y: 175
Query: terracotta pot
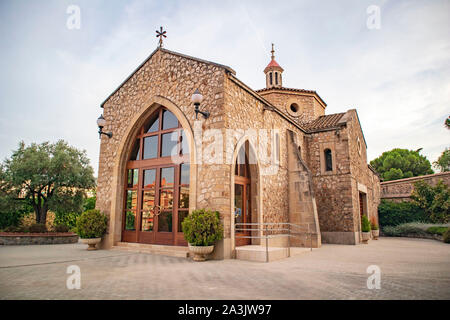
x: 375, y: 234
x: 200, y: 251
x: 91, y: 242
x: 365, y: 237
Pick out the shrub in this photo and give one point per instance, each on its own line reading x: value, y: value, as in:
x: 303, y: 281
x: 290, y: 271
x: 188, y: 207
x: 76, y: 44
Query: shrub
x: 446, y: 236
x: 436, y: 230
x: 30, y: 219
x: 392, y: 213
x: 365, y: 224
x: 89, y: 203
x: 435, y: 201
x: 61, y: 228
x: 91, y: 224
x: 67, y: 219
x: 391, y: 231
x: 411, y: 228
x: 38, y: 228
x: 12, y: 229
x: 202, y: 227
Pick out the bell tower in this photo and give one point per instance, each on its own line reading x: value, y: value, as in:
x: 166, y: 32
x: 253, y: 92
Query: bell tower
x: 273, y: 73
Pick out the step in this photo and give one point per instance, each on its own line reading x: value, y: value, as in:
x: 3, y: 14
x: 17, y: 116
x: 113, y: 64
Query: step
x: 173, y: 251
x: 258, y: 253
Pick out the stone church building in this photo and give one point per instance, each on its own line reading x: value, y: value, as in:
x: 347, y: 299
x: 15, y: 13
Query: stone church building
x: 260, y: 156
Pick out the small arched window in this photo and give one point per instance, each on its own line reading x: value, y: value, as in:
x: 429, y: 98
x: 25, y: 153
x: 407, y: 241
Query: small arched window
x: 328, y: 160
x: 276, y: 77
x: 270, y: 77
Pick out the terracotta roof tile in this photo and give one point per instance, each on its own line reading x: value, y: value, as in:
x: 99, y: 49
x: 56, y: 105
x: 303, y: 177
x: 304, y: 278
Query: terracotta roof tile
x: 324, y: 122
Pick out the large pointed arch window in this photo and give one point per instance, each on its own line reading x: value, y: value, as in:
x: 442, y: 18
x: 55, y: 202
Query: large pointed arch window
x: 157, y: 182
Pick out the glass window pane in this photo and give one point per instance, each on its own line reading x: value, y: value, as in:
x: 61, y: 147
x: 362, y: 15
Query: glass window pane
x: 148, y: 200
x: 131, y: 200
x: 153, y: 124
x: 166, y: 199
x: 130, y: 220
x: 169, y: 144
x: 133, y: 175
x: 150, y: 147
x: 169, y: 120
x: 238, y: 203
x: 184, y: 143
x: 184, y: 173
x: 147, y: 221
x: 165, y: 221
x: 181, y: 216
x: 136, y: 150
x: 167, y: 177
x: 184, y: 198
x: 149, y: 178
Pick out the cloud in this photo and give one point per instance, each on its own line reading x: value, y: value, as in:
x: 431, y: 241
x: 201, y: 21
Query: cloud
x: 398, y: 77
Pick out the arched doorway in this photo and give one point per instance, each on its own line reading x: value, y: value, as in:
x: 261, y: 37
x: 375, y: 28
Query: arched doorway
x: 242, y: 195
x: 156, y: 196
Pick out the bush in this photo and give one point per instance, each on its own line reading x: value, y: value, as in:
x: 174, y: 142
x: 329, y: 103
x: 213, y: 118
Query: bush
x: 91, y: 224
x: 12, y: 229
x: 435, y: 201
x: 89, y: 203
x: 202, y: 227
x: 365, y: 224
x: 38, y: 228
x: 446, y: 236
x: 61, y: 228
x: 437, y: 230
x: 67, y: 219
x: 392, y: 213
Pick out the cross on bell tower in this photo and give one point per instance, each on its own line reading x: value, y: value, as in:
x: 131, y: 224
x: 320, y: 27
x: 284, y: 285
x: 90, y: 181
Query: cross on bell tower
x: 273, y: 72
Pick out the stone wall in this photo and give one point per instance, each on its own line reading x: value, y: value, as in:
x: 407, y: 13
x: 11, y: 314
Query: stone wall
x: 400, y: 190
x: 337, y: 191
x: 309, y: 107
x: 164, y: 79
x: 29, y: 239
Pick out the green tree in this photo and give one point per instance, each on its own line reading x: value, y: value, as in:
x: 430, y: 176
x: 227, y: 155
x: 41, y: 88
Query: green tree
x: 47, y: 177
x: 435, y: 201
x: 401, y: 163
x: 443, y: 162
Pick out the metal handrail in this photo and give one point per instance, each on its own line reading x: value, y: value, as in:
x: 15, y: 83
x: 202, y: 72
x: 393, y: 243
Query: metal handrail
x: 267, y: 236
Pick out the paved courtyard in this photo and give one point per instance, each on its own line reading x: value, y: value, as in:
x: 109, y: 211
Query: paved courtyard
x: 410, y: 269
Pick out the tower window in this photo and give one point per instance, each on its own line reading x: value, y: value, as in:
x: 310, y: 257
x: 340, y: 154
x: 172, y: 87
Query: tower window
x: 276, y: 77
x: 328, y: 160
x: 270, y: 77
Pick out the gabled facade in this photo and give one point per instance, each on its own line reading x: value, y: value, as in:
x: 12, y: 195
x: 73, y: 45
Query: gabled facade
x: 270, y: 155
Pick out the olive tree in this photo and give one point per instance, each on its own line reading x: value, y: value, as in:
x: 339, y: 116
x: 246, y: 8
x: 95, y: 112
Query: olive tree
x: 46, y: 176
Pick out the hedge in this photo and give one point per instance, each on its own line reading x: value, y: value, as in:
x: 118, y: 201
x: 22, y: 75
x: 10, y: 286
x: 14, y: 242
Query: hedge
x: 392, y: 213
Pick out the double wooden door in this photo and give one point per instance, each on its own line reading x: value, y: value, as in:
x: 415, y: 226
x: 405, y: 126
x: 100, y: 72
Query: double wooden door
x: 156, y: 208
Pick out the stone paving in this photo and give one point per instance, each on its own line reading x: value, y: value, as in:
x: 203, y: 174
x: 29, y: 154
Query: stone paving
x: 410, y: 269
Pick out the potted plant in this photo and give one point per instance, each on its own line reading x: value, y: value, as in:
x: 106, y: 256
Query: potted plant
x: 91, y: 226
x: 375, y: 229
x: 365, y: 229
x: 202, y: 228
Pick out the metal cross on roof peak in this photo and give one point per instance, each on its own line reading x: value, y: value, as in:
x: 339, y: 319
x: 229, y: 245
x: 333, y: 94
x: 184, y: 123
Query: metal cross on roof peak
x: 160, y: 34
x: 273, y: 51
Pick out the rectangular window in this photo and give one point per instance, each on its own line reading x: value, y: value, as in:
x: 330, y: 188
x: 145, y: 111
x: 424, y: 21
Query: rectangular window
x: 169, y: 144
x: 150, y: 147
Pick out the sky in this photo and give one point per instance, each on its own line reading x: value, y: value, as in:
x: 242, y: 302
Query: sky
x: 54, y: 78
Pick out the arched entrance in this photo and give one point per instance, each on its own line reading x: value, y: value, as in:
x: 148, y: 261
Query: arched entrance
x: 242, y: 195
x: 156, y: 196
